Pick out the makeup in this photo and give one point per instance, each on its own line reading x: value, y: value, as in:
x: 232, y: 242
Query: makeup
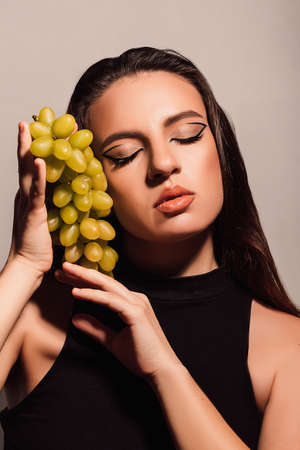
x: 176, y: 204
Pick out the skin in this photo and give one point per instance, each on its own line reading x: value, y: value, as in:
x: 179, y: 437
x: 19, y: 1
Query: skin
x: 183, y: 240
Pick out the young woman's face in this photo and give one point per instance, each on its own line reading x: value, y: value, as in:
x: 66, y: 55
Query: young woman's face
x: 141, y: 104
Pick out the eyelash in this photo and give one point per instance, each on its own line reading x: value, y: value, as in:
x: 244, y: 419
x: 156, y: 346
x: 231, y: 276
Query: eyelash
x: 122, y: 161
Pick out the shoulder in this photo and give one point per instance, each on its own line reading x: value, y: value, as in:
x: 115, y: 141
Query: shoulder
x: 276, y: 333
x: 277, y: 336
x: 273, y: 336
x: 285, y: 326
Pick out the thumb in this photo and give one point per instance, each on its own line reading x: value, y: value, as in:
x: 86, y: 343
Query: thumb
x: 94, y: 328
x: 38, y: 184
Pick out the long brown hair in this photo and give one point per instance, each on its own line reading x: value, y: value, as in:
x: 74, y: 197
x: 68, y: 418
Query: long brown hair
x: 240, y: 244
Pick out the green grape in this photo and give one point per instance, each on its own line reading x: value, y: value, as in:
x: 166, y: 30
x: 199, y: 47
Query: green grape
x: 42, y: 146
x: 88, y: 154
x: 53, y: 219
x: 63, y: 126
x: 115, y: 253
x: 74, y: 252
x: 94, y: 167
x: 81, y: 139
x: 89, y: 228
x: 68, y: 175
x: 102, y: 212
x: 99, y: 181
x: 68, y: 234
x: 93, y: 251
x: 69, y: 213
x: 62, y: 149
x: 75, y: 203
x: 108, y: 260
x: 101, y: 200
x: 81, y: 184
x: 46, y: 116
x: 88, y: 264
x: 77, y: 161
x: 39, y: 129
x: 83, y: 202
x: 106, y: 230
x: 54, y: 168
x: 62, y: 195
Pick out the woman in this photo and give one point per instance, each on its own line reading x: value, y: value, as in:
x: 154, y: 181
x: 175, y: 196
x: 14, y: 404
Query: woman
x: 194, y: 343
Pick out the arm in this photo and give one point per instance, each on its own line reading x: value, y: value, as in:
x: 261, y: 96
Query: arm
x: 18, y: 281
x: 30, y: 254
x: 192, y: 418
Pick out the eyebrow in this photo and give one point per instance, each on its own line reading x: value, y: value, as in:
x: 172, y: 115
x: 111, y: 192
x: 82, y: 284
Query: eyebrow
x: 136, y: 134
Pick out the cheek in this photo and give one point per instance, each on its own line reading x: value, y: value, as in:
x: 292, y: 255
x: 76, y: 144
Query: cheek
x: 210, y: 186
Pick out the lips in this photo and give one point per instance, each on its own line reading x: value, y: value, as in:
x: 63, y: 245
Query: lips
x: 174, y: 192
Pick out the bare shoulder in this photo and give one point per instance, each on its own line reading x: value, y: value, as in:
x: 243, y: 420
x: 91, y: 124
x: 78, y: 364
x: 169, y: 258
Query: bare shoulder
x: 274, y: 327
x: 278, y: 334
x: 274, y: 334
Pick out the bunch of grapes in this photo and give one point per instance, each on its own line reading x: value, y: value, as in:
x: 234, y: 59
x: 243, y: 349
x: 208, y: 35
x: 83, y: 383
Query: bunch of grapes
x: 75, y: 198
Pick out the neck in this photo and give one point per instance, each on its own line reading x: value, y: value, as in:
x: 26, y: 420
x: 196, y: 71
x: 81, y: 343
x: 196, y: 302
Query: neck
x: 190, y: 256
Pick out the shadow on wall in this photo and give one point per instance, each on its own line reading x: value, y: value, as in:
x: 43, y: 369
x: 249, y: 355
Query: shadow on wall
x: 2, y: 405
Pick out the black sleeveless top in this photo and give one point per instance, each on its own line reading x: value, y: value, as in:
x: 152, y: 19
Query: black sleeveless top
x: 89, y: 400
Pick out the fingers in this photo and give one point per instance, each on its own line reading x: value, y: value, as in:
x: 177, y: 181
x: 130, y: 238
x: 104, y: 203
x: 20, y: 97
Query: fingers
x: 126, y: 310
x: 38, y: 184
x: 67, y: 278
x: 98, y: 279
x: 25, y: 158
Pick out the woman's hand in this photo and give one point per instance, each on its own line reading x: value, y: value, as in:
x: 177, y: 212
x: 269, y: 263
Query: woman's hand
x: 141, y: 346
x: 31, y: 241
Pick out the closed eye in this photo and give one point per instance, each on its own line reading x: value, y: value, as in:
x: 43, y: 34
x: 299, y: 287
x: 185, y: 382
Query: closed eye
x: 190, y: 139
x: 122, y: 161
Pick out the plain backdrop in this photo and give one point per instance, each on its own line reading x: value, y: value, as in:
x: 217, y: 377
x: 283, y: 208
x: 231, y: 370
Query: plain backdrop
x: 247, y: 49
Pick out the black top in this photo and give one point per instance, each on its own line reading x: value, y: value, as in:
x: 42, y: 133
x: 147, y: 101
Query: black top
x: 89, y: 400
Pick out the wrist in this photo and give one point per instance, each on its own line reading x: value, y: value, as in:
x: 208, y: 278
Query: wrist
x: 19, y: 264
x: 159, y: 377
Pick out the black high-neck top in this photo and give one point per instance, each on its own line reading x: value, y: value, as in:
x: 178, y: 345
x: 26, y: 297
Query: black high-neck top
x: 89, y: 400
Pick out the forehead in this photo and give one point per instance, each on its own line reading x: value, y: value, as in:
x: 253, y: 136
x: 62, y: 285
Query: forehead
x: 142, y: 101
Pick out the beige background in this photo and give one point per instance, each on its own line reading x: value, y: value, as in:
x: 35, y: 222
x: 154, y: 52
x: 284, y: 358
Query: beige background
x: 247, y: 49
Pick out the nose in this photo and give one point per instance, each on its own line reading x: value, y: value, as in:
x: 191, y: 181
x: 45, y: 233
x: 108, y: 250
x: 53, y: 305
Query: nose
x: 162, y: 163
